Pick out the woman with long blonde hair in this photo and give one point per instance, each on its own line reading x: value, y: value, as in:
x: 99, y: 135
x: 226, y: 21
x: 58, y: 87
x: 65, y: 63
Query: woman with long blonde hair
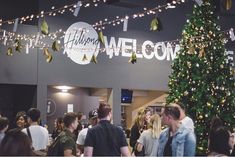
x: 149, y: 138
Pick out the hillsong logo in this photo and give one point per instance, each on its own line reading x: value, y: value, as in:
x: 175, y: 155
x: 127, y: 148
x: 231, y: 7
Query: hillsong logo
x: 82, y: 39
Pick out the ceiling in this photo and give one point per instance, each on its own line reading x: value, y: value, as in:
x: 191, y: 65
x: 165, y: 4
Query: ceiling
x: 11, y: 9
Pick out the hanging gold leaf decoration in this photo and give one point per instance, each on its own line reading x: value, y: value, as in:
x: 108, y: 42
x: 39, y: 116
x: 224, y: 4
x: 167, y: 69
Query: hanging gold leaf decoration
x: 101, y: 37
x: 18, y: 45
x: 228, y: 4
x: 94, y: 59
x: 154, y: 26
x: 44, y: 27
x: 48, y: 55
x: 84, y: 58
x: 202, y: 52
x: 49, y: 58
x: 55, y: 46
x: 9, y: 51
x: 46, y: 51
x: 133, y: 58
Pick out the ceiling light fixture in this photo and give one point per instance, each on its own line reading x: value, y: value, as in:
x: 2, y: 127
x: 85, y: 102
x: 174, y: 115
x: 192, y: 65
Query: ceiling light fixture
x: 64, y: 90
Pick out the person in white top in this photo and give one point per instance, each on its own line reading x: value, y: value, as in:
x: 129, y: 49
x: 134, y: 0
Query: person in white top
x: 149, y: 138
x: 93, y: 120
x: 184, y: 120
x: 39, y: 135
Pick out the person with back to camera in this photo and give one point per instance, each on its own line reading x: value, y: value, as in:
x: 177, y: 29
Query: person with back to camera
x: 149, y: 138
x: 16, y: 143
x: 176, y: 139
x: 38, y: 134
x: 216, y: 123
x: 220, y: 144
x: 140, y: 124
x: 93, y: 120
x: 105, y: 139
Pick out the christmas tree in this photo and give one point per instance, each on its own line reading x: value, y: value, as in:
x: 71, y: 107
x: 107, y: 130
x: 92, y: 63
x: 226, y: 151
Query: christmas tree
x: 201, y: 75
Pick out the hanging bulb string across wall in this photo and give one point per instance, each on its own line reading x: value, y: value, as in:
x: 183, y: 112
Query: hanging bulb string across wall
x: 59, y: 34
x: 32, y: 38
x: 98, y: 25
x: 41, y: 44
x: 153, y: 11
x: 53, y: 12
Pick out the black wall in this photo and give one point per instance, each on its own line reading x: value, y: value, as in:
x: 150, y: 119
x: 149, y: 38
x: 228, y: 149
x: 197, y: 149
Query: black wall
x: 14, y: 98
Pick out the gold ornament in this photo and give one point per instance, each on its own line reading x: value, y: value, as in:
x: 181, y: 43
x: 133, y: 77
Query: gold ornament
x: 49, y: 58
x: 185, y: 93
x: 47, y: 54
x: 202, y: 52
x: 208, y: 104
x: 228, y: 4
x: 223, y: 101
x: 46, y: 51
x: 189, y: 64
x: 93, y: 59
x: 200, y: 117
x: 44, y: 27
x: 133, y: 58
x: 55, y: 46
x: 101, y: 37
x: 84, y: 58
x: 9, y: 51
x: 155, y: 24
x: 191, y: 50
x: 18, y: 45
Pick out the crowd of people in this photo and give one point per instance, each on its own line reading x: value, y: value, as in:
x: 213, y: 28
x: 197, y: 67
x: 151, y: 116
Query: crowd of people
x: 169, y: 133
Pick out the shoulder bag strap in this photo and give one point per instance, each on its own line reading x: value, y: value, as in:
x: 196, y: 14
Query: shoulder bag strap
x: 28, y: 132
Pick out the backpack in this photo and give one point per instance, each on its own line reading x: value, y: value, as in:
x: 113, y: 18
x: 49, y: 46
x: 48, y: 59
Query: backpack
x: 54, y: 148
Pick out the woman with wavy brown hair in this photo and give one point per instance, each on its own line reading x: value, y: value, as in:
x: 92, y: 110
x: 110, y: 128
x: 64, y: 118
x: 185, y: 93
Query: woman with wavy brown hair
x: 140, y: 124
x: 21, y: 120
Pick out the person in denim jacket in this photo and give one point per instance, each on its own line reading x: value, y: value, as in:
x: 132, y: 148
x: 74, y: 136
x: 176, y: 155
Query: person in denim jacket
x: 176, y: 140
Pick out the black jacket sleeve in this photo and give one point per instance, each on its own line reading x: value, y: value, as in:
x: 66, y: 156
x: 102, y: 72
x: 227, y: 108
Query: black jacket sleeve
x: 134, y: 135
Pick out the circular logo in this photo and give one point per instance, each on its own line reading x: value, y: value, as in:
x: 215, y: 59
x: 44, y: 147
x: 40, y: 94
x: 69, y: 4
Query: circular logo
x: 80, y: 41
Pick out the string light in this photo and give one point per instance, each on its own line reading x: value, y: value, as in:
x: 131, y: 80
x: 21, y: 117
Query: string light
x: 52, y: 12
x: 100, y: 23
x: 41, y: 44
x: 55, y: 36
x: 141, y: 14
